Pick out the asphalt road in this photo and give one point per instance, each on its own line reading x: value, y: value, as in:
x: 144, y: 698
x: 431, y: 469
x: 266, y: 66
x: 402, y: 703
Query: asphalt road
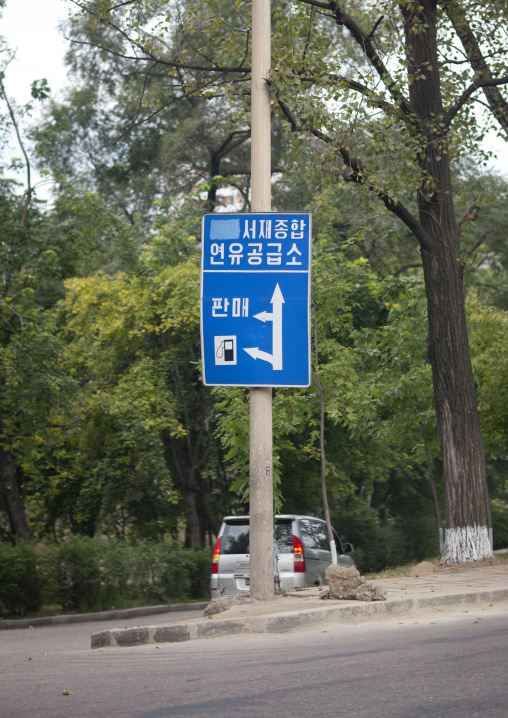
x: 441, y: 665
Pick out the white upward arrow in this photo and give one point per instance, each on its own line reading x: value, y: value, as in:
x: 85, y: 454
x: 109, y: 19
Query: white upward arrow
x: 275, y: 317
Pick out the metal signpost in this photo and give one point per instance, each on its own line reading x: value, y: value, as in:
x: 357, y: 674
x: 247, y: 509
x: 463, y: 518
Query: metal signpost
x: 255, y: 299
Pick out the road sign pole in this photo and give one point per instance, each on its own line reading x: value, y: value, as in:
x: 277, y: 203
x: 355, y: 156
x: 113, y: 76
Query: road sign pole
x: 261, y: 461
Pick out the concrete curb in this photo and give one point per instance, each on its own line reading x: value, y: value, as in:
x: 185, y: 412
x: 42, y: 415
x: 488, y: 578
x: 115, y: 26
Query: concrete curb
x: 101, y: 615
x: 281, y: 622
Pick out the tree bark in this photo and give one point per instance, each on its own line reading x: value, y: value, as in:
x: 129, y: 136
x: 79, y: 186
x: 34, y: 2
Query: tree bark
x: 15, y: 509
x: 321, y: 392
x: 212, y: 522
x: 466, y: 533
x: 193, y: 529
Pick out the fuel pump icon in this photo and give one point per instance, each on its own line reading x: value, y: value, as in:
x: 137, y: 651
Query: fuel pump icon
x: 225, y: 350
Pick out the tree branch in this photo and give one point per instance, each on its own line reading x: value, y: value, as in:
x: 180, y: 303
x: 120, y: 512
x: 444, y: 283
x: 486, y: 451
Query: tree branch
x: 378, y: 22
x: 469, y: 216
x: 473, y: 249
x: 28, y: 197
x: 352, y: 84
x: 497, y: 103
x: 309, y: 34
x: 150, y: 57
x: 359, y: 176
x: 364, y: 41
x: 228, y: 145
x: 407, y: 266
x: 185, y: 95
x: 475, y: 85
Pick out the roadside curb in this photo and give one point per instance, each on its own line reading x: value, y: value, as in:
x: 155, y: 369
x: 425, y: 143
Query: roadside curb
x: 281, y: 622
x: 100, y: 615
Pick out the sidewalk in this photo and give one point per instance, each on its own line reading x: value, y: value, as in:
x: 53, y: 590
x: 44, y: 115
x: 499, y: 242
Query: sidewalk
x: 449, y: 586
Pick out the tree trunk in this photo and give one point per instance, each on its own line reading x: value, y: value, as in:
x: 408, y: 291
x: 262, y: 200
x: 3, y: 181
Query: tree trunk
x: 193, y: 529
x: 15, y: 509
x: 466, y: 534
x: 212, y: 522
x: 333, y: 547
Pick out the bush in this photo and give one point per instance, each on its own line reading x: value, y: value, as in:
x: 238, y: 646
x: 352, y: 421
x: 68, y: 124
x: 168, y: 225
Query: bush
x: 165, y: 571
x: 20, y: 580
x: 499, y: 523
x: 381, y: 544
x: 200, y: 564
x: 84, y: 574
x: 75, y: 571
x: 118, y: 560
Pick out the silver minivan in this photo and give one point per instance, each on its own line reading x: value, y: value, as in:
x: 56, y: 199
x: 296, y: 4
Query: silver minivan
x: 303, y: 553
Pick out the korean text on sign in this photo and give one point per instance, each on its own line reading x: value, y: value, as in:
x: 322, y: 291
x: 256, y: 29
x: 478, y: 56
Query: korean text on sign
x: 236, y: 244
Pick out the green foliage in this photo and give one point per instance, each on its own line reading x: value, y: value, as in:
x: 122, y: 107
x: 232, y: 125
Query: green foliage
x: 75, y: 568
x: 40, y: 89
x: 158, y: 572
x: 380, y: 544
x: 20, y: 579
x: 500, y: 523
x: 81, y: 574
x: 103, y: 409
x: 489, y: 350
x: 138, y: 418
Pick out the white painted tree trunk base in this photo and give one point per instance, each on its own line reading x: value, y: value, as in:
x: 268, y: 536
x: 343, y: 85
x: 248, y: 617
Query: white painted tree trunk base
x: 466, y: 544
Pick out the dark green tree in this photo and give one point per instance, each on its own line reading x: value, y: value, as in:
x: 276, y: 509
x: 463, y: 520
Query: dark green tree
x: 341, y: 80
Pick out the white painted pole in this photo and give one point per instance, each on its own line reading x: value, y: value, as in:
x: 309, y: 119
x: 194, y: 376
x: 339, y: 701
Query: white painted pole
x: 261, y: 463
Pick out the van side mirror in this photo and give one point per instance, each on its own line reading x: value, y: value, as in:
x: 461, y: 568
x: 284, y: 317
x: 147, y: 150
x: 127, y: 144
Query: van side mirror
x: 348, y: 547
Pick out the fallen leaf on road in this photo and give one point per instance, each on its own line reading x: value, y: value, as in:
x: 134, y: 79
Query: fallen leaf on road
x: 65, y: 693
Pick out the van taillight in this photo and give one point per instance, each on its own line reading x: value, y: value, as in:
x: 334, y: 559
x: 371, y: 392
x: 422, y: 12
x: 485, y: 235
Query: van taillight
x: 215, y: 560
x: 299, y: 555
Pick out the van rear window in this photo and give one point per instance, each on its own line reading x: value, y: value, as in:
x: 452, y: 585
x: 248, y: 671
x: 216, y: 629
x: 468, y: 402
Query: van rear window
x: 284, y: 535
x: 236, y: 537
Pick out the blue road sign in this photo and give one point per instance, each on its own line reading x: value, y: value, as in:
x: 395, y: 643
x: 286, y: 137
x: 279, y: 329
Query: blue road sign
x: 255, y: 299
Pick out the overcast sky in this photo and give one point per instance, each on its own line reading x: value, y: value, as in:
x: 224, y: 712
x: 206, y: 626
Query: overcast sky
x: 31, y: 28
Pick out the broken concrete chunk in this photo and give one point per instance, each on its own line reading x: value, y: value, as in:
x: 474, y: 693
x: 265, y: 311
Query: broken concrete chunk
x: 223, y: 603
x: 347, y: 584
